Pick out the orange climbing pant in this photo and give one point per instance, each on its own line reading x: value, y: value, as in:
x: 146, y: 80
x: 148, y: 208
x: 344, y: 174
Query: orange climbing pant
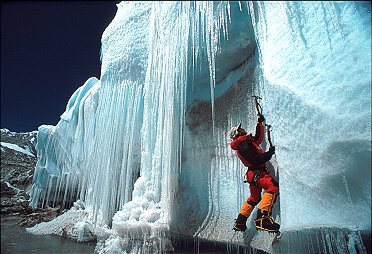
x: 267, y: 202
x: 266, y: 182
x: 246, y: 209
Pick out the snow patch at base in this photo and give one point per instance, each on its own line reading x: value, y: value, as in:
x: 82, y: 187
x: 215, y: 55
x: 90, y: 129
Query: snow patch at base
x: 76, y: 223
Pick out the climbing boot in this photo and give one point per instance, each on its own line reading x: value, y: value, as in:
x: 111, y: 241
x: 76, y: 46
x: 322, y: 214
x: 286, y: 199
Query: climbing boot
x: 240, y: 223
x: 265, y: 222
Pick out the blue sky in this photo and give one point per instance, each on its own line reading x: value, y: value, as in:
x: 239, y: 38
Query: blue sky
x: 48, y: 50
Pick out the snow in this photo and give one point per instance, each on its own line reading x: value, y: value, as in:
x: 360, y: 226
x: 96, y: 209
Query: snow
x: 12, y: 187
x: 75, y: 224
x: 17, y: 148
x: 4, y: 130
x: 11, y: 133
x: 146, y: 146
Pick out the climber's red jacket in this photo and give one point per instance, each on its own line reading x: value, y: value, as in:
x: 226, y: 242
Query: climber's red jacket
x: 249, y: 151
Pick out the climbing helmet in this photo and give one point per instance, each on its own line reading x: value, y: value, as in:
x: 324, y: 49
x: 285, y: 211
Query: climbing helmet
x: 234, y: 132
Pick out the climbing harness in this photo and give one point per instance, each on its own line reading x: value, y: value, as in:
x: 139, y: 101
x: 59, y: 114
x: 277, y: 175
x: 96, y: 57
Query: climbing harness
x: 257, y: 175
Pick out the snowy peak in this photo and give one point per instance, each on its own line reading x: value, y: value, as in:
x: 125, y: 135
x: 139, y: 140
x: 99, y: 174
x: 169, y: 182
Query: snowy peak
x: 18, y: 157
x: 23, y: 142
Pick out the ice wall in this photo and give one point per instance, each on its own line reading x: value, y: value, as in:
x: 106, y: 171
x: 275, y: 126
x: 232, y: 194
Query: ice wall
x: 97, y: 143
x: 146, y: 147
x: 313, y: 73
x: 316, y: 60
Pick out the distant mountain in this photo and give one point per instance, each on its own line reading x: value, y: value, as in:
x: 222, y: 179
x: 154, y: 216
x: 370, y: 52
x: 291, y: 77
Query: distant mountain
x: 18, y: 158
x: 18, y: 161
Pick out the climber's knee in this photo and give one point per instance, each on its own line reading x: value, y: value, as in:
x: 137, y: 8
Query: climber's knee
x: 253, y: 201
x: 274, y: 187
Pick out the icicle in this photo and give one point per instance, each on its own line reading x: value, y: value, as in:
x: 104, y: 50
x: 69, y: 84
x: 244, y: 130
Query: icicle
x: 123, y: 141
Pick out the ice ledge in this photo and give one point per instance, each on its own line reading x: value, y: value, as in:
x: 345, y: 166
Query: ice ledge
x: 77, y: 224
x: 314, y: 240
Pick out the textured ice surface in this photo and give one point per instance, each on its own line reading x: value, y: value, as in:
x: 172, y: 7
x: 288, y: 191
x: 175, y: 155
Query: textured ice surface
x: 146, y: 149
x: 316, y: 60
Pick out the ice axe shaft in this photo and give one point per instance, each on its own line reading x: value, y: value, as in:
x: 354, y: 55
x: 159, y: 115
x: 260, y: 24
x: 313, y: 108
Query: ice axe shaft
x: 271, y: 145
x: 259, y: 112
x: 258, y: 106
x: 269, y: 134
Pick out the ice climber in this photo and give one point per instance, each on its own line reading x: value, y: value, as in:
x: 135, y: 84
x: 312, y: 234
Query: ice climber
x: 251, y: 154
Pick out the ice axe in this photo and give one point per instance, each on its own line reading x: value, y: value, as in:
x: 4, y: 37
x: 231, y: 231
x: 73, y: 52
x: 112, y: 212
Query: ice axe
x: 259, y: 113
x: 258, y: 106
x: 269, y: 128
x: 268, y: 134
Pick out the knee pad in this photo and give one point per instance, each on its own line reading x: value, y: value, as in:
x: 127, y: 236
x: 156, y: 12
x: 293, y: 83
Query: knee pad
x: 274, y: 187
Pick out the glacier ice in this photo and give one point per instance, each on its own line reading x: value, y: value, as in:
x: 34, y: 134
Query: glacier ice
x: 145, y: 147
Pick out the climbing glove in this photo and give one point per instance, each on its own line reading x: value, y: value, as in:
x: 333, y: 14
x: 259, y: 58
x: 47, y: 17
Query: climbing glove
x: 261, y: 118
x: 272, y: 150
